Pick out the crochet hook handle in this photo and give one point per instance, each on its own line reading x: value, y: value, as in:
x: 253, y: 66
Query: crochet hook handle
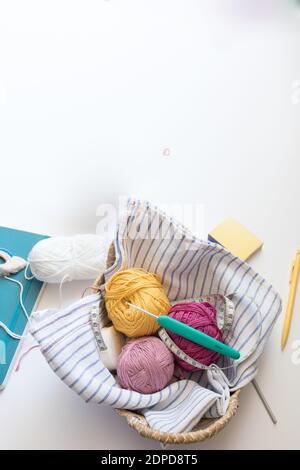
x: 192, y: 334
x: 197, y: 336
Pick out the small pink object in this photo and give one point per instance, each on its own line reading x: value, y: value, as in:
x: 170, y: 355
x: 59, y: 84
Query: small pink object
x: 166, y: 152
x: 145, y: 365
x: 202, y: 317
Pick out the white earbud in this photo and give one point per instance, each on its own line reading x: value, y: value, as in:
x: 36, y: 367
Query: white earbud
x: 13, y: 265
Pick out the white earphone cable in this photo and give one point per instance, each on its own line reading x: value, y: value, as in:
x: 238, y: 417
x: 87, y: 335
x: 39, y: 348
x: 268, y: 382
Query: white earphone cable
x: 5, y: 327
x: 11, y: 333
x: 21, y: 295
x: 28, y: 278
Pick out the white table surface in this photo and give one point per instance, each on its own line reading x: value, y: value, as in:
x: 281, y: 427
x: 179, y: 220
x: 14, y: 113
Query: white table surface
x: 90, y: 95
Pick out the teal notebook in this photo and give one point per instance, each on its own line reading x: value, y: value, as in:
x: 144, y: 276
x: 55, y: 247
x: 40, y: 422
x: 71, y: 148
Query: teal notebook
x: 18, y: 243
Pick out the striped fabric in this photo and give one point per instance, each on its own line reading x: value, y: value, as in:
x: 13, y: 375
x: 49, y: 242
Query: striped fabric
x: 189, y: 268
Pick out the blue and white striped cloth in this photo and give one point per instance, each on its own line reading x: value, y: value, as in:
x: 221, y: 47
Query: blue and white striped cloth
x: 189, y: 268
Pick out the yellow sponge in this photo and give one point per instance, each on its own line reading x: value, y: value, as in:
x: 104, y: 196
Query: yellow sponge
x: 235, y: 238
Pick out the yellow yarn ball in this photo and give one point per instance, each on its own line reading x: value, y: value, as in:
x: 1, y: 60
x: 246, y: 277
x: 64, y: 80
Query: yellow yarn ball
x: 140, y: 288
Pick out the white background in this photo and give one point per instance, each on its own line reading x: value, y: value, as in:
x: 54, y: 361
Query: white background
x: 91, y: 92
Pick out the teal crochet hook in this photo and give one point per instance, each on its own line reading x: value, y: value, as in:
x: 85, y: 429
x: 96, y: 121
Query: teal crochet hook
x: 192, y: 334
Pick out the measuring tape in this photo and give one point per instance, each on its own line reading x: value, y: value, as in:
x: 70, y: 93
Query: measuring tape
x: 225, y: 312
x: 162, y: 333
x: 225, y: 315
x: 223, y: 305
x: 97, y: 319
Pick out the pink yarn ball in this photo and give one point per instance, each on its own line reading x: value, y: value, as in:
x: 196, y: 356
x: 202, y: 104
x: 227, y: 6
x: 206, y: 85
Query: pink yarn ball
x: 202, y: 317
x: 145, y: 365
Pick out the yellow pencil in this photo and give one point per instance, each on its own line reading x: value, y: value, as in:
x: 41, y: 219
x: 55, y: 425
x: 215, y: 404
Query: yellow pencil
x: 291, y: 301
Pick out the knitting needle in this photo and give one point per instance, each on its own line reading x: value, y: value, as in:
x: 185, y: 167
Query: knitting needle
x: 191, y: 334
x: 142, y: 310
x: 264, y: 401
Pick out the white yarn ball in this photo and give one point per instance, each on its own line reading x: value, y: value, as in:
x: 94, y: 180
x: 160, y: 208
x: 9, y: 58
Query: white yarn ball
x: 57, y: 259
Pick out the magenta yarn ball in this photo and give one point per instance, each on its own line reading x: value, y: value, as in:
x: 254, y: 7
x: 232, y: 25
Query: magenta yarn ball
x: 145, y: 365
x: 203, y: 317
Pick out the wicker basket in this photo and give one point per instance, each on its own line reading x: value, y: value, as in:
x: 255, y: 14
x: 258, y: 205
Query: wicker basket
x: 205, y: 429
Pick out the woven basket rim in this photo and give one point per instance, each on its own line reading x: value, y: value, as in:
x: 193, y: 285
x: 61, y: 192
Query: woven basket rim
x: 139, y: 423
x: 213, y: 426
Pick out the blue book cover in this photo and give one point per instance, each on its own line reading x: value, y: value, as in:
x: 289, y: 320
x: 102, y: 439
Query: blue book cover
x: 17, y: 243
